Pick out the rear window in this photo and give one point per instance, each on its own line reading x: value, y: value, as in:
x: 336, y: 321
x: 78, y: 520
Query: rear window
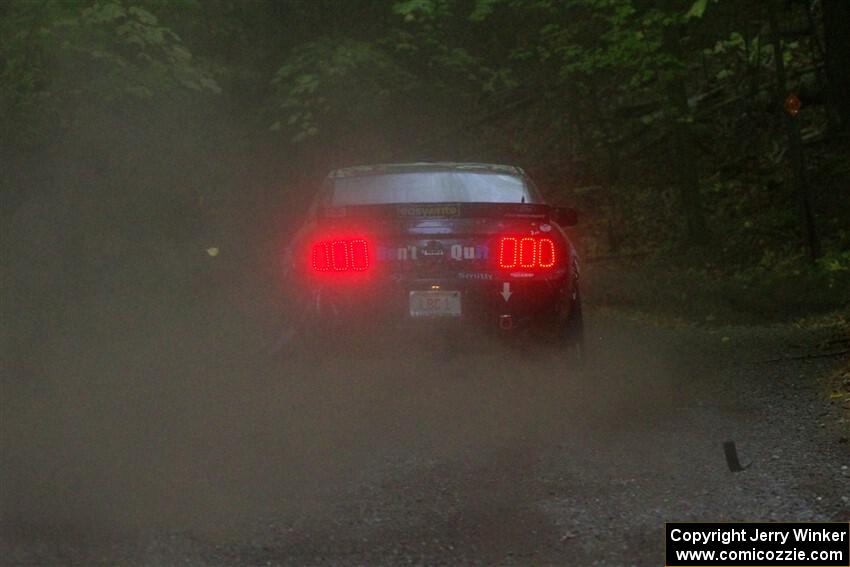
x: 432, y: 187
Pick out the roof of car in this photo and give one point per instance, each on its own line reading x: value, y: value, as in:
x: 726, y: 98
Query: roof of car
x: 424, y: 166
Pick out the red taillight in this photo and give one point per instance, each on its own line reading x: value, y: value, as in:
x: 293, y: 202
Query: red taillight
x: 359, y: 255
x: 340, y: 255
x: 546, y: 253
x: 321, y: 257
x: 526, y: 253
x: 508, y: 253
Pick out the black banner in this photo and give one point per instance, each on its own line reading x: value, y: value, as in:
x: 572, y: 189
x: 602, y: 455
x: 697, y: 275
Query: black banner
x: 757, y: 544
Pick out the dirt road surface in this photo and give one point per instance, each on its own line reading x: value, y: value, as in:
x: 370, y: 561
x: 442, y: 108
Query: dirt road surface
x: 435, y: 454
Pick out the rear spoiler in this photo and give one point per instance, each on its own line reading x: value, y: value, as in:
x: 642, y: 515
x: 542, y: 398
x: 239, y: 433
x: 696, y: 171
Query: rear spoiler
x: 440, y: 210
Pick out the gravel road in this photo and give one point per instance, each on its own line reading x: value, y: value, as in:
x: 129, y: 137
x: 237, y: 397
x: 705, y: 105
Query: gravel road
x: 442, y: 454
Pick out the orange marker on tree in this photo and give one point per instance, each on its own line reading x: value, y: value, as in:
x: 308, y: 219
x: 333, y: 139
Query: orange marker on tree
x: 792, y: 104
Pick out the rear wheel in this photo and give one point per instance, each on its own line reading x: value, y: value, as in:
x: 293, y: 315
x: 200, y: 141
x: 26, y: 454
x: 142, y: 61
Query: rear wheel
x: 567, y: 330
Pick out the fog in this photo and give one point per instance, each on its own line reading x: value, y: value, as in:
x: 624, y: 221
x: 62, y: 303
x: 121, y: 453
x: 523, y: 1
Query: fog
x: 140, y: 391
x: 149, y: 416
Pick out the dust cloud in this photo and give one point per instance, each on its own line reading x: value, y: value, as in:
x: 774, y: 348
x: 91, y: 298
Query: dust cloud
x: 138, y: 391
x: 144, y: 418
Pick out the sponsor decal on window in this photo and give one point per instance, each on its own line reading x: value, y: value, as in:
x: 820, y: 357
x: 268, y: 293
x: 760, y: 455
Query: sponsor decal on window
x: 429, y: 210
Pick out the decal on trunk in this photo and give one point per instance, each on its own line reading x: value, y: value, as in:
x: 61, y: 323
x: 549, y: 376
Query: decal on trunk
x: 433, y: 250
x: 460, y: 252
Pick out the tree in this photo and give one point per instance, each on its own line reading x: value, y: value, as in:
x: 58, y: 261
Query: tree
x: 836, y: 24
x: 682, y: 144
x: 795, y: 142
x: 58, y: 57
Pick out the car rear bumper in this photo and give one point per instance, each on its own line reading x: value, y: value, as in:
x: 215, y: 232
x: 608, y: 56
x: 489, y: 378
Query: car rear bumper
x: 497, y: 303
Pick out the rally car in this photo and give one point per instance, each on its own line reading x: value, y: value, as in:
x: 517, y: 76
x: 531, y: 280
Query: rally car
x: 417, y: 243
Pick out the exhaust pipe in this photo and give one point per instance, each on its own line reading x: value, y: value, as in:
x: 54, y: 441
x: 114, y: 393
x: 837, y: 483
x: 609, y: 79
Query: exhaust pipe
x: 506, y: 322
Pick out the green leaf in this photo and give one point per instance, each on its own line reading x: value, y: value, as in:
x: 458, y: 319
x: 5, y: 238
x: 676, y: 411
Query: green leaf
x: 697, y: 9
x: 143, y: 16
x: 410, y: 7
x: 483, y: 8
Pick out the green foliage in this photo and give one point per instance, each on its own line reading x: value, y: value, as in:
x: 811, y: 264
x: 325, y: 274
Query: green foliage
x: 697, y: 9
x: 835, y: 262
x: 422, y: 9
x: 703, y: 294
x: 59, y: 56
x: 138, y: 56
x: 482, y: 9
x: 333, y: 86
x: 326, y: 82
x: 584, y: 93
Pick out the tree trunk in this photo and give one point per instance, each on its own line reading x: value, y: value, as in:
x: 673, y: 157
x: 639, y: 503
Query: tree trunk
x: 836, y: 27
x: 683, y: 150
x: 613, y: 220
x: 819, y: 60
x: 795, y: 146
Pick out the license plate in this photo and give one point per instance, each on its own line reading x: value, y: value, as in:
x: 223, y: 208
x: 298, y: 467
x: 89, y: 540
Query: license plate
x: 435, y: 304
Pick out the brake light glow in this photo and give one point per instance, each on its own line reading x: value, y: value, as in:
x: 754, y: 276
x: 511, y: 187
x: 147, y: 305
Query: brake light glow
x: 526, y: 252
x: 359, y: 255
x: 545, y: 253
x: 340, y: 255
